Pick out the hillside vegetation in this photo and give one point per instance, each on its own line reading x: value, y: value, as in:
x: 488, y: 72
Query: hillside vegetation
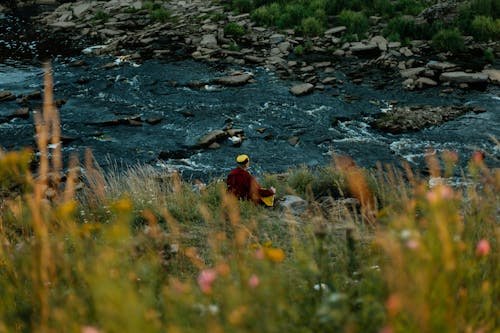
x: 144, y: 251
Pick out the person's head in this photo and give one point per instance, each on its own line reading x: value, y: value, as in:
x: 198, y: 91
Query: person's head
x: 243, y: 160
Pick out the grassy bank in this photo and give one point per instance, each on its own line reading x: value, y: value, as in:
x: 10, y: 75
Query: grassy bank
x: 144, y: 251
x: 396, y: 20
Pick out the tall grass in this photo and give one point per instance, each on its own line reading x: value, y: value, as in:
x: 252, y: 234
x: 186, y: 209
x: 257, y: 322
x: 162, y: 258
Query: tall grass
x: 139, y: 250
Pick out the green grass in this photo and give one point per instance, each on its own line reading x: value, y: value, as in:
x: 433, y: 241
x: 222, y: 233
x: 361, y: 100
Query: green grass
x: 141, y: 250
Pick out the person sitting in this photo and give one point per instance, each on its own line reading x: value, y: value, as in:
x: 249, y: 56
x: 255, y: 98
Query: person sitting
x: 244, y: 186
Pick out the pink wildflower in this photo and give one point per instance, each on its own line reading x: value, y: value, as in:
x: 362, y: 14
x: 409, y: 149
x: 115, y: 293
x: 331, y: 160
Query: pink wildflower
x: 206, y: 279
x: 412, y: 244
x: 482, y: 248
x: 254, y: 281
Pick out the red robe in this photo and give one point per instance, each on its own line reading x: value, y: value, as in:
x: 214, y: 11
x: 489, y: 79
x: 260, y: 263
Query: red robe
x: 244, y: 186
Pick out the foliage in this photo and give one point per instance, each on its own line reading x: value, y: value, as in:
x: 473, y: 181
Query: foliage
x: 160, y: 14
x: 489, y: 55
x: 100, y: 16
x: 356, y: 22
x: 311, y: 26
x: 234, y: 30
x: 242, y: 6
x: 485, y: 28
x: 448, y: 40
x: 401, y: 28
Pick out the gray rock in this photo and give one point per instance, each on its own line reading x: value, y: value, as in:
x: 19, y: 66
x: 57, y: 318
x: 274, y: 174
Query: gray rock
x: 276, y: 38
x: 302, y: 89
x: 422, y: 82
x: 335, y: 30
x: 365, y: 49
x: 63, y: 25
x: 212, y: 137
x: 494, y: 75
x: 293, y: 204
x: 6, y: 95
x: 234, y: 80
x: 412, y: 72
x: 209, y: 41
x: 462, y: 77
x: 80, y: 8
x: 441, y: 66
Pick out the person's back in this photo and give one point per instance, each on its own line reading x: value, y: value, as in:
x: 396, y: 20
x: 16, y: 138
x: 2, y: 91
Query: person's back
x: 243, y: 185
x: 238, y: 183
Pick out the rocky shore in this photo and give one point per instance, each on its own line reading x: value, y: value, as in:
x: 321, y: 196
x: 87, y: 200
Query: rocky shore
x: 129, y: 31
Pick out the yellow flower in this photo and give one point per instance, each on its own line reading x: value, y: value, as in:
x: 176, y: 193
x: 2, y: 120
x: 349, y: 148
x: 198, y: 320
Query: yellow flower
x: 274, y: 255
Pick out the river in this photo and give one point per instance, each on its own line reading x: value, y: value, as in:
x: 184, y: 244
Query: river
x: 333, y: 121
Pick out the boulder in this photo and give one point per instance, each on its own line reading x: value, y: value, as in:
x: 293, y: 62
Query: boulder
x: 6, y: 95
x: 302, y: 89
x: 412, y: 72
x: 234, y: 80
x: 494, y: 75
x: 423, y: 82
x: 209, y: 41
x: 211, y: 137
x: 463, y: 77
x: 80, y: 8
x: 367, y: 50
x: 276, y: 38
x: 293, y: 204
x: 414, y: 118
x: 441, y: 66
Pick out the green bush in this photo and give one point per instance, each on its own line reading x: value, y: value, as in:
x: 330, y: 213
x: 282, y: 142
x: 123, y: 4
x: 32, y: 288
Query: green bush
x: 242, y: 6
x: 311, y: 26
x: 356, y: 22
x: 401, y: 27
x: 298, y: 50
x: 160, y: 14
x: 150, y: 6
x: 408, y: 7
x: 234, y: 30
x: 100, y: 16
x: 267, y: 15
x: 485, y: 8
x: 448, y: 40
x: 485, y: 28
x: 292, y: 15
x: 489, y: 55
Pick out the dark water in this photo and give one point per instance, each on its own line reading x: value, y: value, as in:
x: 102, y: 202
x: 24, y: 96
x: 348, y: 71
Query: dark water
x: 158, y: 89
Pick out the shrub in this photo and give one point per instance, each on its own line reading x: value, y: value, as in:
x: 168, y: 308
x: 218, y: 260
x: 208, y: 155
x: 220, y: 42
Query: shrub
x: 448, y: 40
x: 298, y: 50
x: 356, y: 22
x: 242, y: 6
x: 485, y: 28
x: 408, y: 7
x: 292, y: 15
x: 485, y: 8
x: 234, y: 29
x: 100, y: 16
x: 150, y: 6
x: 402, y: 27
x: 489, y: 55
x: 311, y: 26
x: 267, y: 15
x: 161, y: 15
x: 383, y: 8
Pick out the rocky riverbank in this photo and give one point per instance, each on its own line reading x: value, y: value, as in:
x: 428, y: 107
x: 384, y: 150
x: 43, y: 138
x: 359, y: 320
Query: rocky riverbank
x: 130, y: 31
x: 345, y: 86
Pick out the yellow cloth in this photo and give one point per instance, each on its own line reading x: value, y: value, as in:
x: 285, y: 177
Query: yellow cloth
x: 268, y: 201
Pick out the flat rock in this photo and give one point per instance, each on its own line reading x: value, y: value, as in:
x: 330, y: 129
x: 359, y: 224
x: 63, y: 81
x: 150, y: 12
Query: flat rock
x: 209, y: 41
x: 463, y: 77
x: 414, y: 118
x: 493, y: 74
x: 412, y: 72
x: 441, y: 66
x: 302, y: 89
x: 211, y: 137
x: 6, y: 95
x: 234, y: 80
x: 335, y: 30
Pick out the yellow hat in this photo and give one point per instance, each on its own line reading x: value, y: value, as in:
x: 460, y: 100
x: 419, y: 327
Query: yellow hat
x: 241, y: 159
